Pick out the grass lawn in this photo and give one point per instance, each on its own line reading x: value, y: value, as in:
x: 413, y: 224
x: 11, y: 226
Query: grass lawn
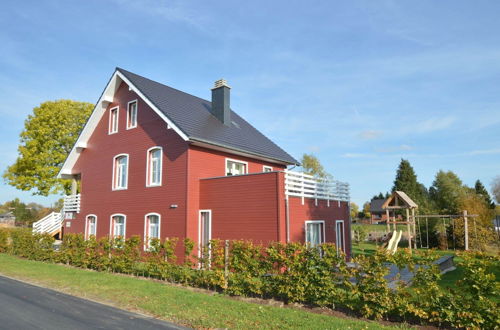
x: 380, y: 227
x: 172, y: 303
x: 448, y: 280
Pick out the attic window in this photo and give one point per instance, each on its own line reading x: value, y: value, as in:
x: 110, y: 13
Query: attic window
x: 236, y: 167
x: 132, y: 114
x: 113, y: 120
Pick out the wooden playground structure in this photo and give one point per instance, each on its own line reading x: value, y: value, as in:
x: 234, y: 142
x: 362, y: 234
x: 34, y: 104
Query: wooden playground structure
x: 400, y: 201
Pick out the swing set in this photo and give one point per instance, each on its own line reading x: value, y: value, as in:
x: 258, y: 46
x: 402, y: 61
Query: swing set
x: 400, y: 201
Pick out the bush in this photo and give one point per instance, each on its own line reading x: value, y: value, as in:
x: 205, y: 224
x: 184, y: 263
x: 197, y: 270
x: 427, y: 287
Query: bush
x: 293, y: 273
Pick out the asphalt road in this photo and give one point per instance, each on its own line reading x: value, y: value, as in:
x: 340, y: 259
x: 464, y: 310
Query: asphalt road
x: 24, y: 306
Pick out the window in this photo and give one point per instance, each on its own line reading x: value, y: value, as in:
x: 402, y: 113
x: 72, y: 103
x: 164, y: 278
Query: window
x: 117, y: 226
x: 236, y: 167
x: 113, y: 120
x: 154, y: 166
x: 267, y: 168
x: 132, y: 114
x: 205, y: 229
x: 90, y: 226
x: 339, y: 235
x: 120, y: 172
x: 315, y: 232
x: 151, y: 228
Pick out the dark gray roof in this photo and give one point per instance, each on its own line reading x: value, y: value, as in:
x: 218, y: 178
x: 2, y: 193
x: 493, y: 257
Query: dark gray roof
x: 192, y: 116
x: 376, y: 205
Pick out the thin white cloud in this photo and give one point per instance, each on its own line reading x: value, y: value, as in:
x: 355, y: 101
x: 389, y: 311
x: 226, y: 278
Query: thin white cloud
x: 173, y: 11
x: 357, y: 155
x: 434, y: 124
x: 484, y: 152
x: 370, y: 134
x: 402, y: 147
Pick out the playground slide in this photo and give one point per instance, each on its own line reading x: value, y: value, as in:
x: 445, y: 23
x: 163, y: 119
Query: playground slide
x: 394, y: 241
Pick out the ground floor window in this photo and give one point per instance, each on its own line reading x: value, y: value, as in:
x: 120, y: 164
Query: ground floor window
x: 315, y: 232
x: 90, y: 226
x: 151, y: 228
x: 117, y: 226
x: 205, y: 231
x: 339, y: 235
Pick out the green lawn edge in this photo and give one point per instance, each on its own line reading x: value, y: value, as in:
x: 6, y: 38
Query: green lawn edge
x: 173, y: 303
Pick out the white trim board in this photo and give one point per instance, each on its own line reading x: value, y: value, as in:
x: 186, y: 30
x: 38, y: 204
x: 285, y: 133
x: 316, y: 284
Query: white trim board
x: 100, y: 108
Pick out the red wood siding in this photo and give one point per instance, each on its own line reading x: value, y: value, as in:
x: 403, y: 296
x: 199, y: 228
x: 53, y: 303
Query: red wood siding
x: 96, y: 167
x: 193, y: 178
x: 205, y: 163
x: 299, y: 214
x: 243, y: 207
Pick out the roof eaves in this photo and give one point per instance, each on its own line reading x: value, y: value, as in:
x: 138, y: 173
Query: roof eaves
x: 294, y: 162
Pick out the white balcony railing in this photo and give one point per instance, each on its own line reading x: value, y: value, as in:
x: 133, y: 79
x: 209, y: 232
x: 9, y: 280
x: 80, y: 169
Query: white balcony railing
x: 307, y: 186
x: 72, y: 203
x: 49, y: 224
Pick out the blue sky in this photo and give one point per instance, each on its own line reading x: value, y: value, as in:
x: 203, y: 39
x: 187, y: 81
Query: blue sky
x: 361, y: 84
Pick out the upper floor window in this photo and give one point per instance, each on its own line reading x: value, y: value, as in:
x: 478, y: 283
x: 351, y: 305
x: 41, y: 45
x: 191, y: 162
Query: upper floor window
x: 132, y: 114
x: 236, y: 167
x: 120, y: 172
x: 90, y: 226
x: 154, y: 167
x: 152, y: 228
x: 267, y: 168
x: 117, y: 226
x: 113, y: 120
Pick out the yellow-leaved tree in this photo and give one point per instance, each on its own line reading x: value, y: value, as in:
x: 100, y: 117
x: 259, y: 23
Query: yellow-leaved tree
x: 48, y: 136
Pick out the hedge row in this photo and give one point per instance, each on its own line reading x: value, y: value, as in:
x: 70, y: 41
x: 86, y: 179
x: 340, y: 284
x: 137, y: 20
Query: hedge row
x: 293, y: 273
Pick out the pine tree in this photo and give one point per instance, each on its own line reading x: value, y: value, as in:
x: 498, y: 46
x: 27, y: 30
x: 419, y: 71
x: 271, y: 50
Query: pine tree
x: 406, y: 181
x: 481, y: 191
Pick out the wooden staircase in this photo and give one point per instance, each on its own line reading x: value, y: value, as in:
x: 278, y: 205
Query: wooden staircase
x: 50, y: 224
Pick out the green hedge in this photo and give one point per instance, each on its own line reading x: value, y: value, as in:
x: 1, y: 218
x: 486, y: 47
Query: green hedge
x: 293, y: 273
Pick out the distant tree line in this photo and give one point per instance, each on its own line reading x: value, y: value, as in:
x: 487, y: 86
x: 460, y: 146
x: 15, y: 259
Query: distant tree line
x: 447, y: 195
x: 26, y: 214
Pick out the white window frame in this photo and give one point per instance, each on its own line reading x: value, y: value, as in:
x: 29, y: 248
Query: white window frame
x: 129, y: 126
x: 337, y: 235
x: 149, y: 169
x: 87, y: 225
x: 235, y: 161
x: 266, y: 167
x: 114, y: 183
x: 209, y: 231
x: 312, y: 222
x: 112, y: 225
x: 146, y: 229
x: 110, y: 128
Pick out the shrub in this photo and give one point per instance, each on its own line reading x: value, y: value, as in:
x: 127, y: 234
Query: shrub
x: 294, y: 273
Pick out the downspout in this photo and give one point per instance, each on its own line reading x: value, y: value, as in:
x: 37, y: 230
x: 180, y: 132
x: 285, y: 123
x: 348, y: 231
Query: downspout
x: 287, y: 216
x: 287, y: 209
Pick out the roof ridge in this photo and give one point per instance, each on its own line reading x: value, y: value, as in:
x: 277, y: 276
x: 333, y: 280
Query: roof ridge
x: 159, y: 83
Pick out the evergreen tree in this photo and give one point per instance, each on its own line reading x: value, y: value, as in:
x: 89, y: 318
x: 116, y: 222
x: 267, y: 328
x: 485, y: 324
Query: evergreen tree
x: 406, y: 181
x: 481, y: 191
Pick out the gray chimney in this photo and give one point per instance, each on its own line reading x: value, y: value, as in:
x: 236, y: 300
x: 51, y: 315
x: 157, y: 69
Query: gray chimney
x: 220, y: 102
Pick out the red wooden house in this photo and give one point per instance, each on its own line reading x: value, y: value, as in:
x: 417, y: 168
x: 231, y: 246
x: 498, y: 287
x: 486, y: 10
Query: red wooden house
x: 157, y: 162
